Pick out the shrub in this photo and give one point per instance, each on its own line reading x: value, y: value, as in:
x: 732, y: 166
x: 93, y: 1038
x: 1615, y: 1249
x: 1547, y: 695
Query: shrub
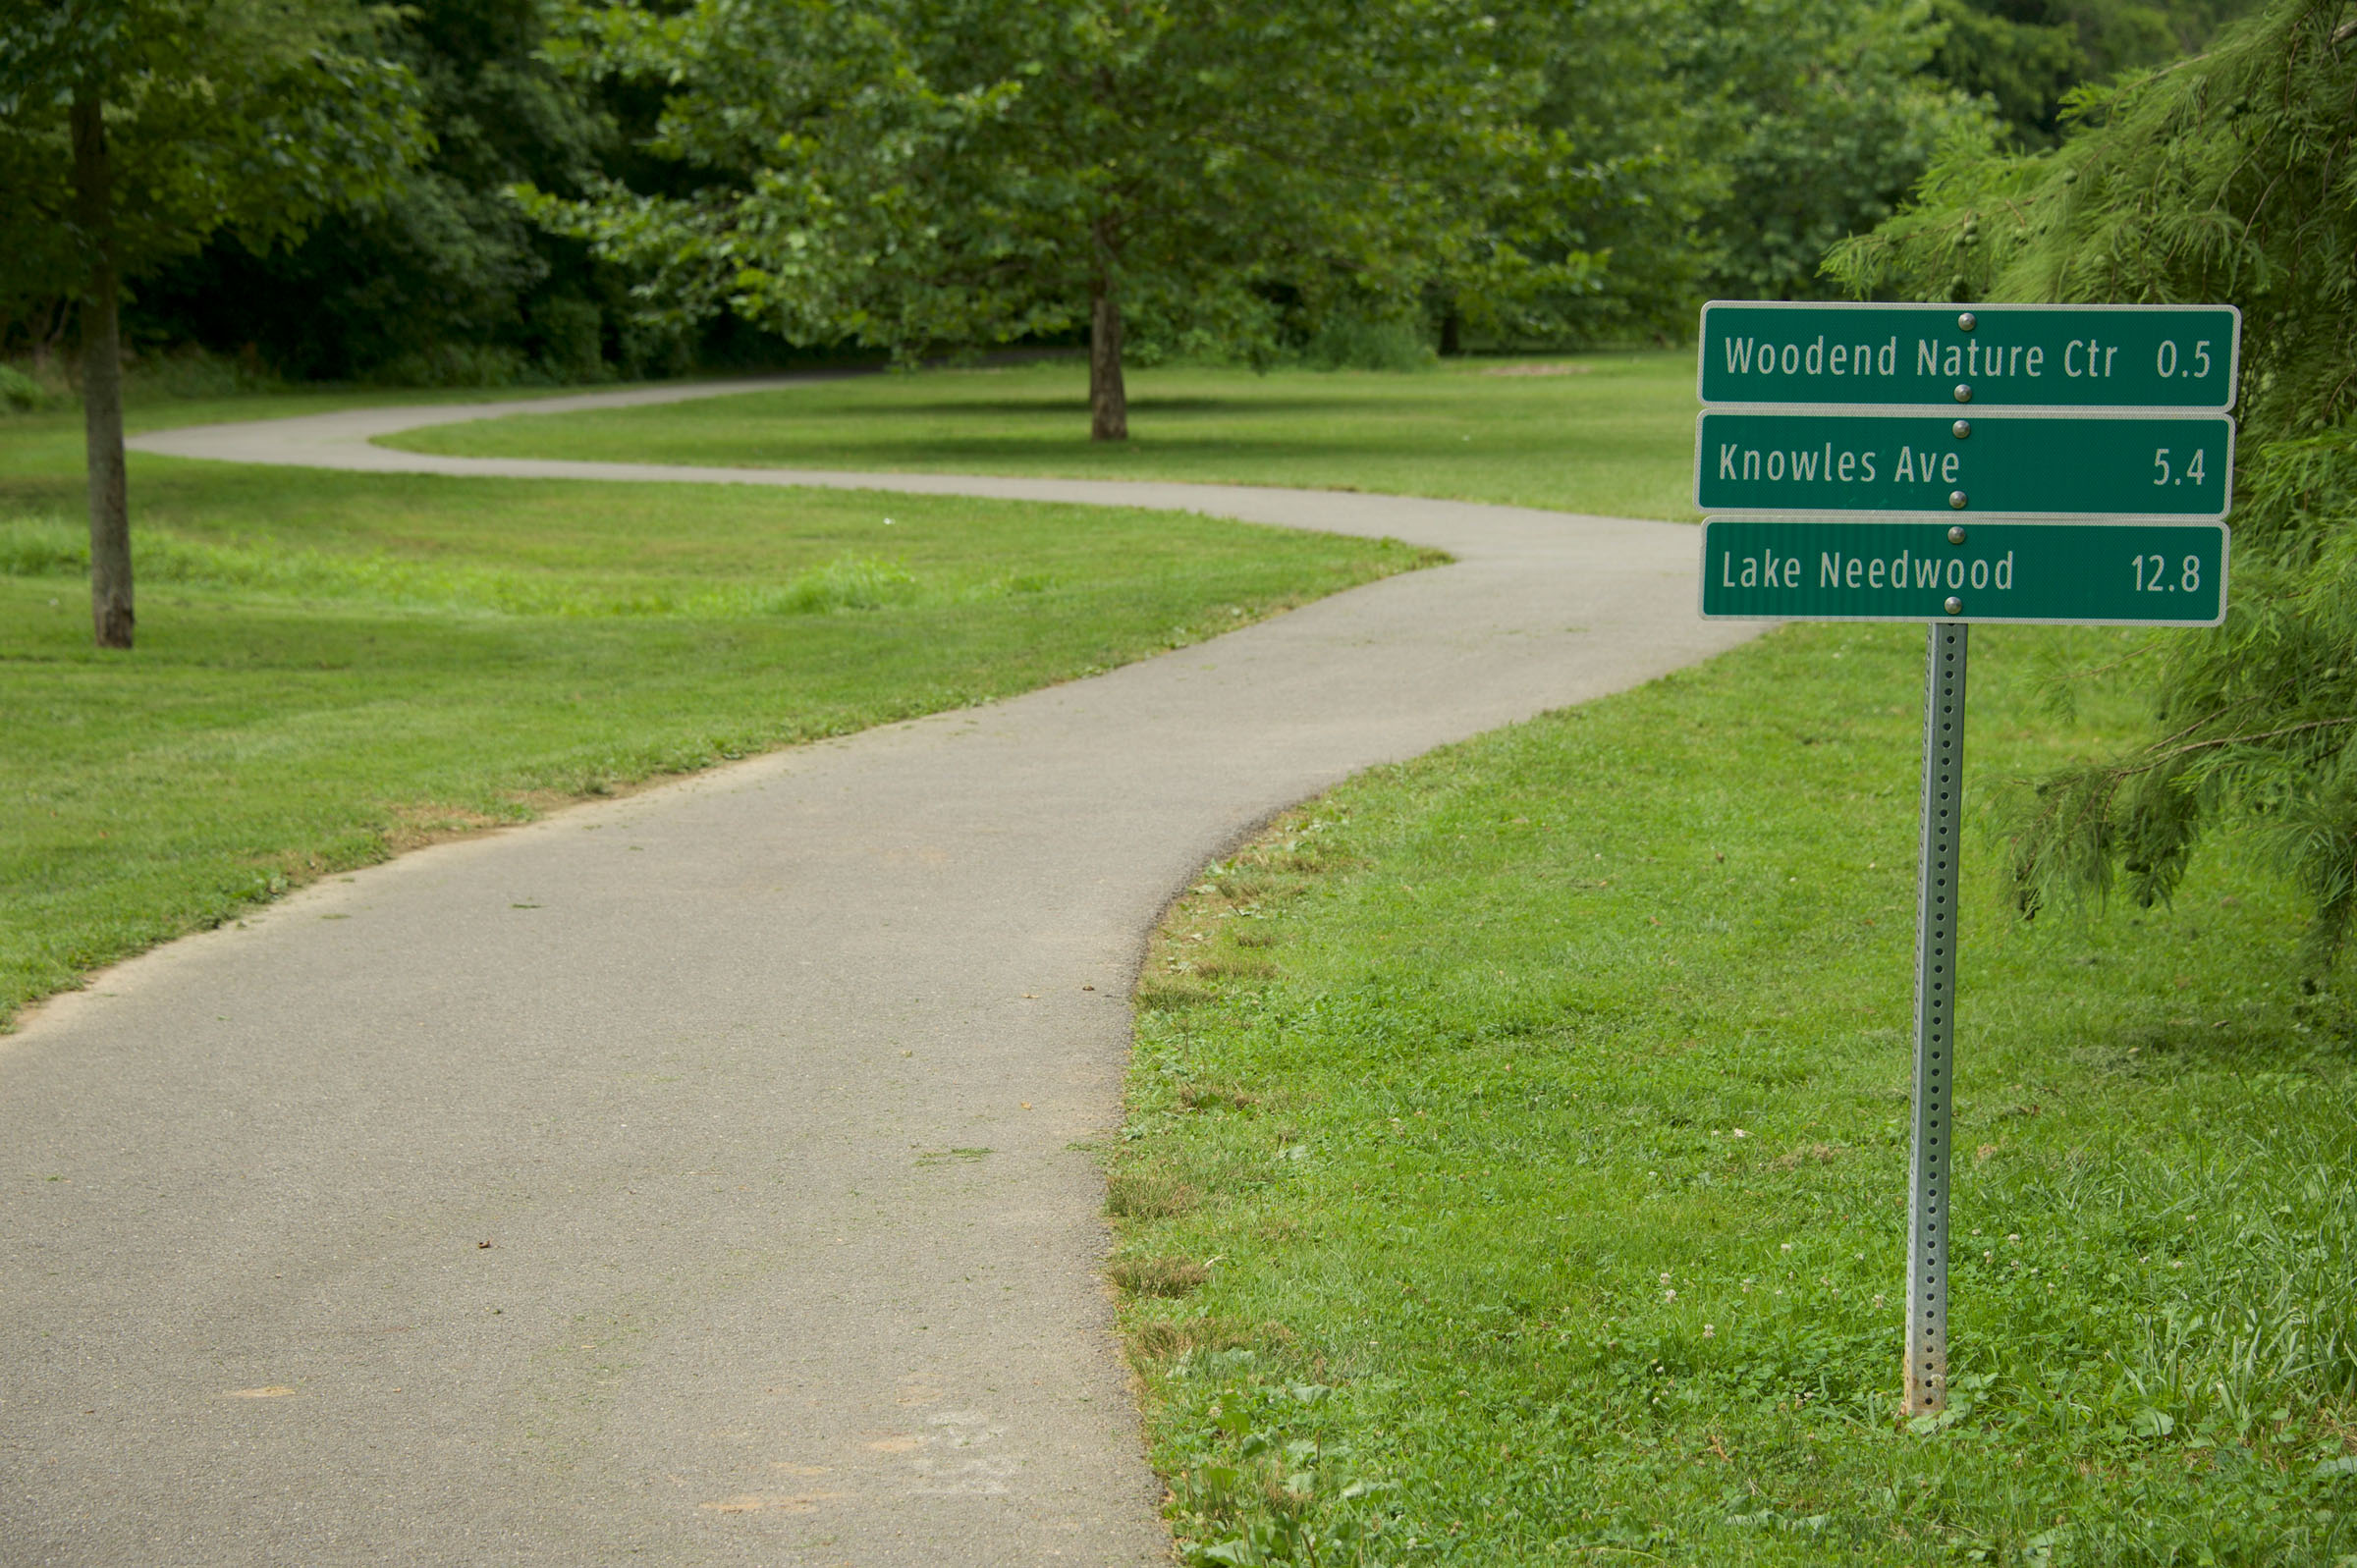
x: 1368, y: 346
x: 21, y: 394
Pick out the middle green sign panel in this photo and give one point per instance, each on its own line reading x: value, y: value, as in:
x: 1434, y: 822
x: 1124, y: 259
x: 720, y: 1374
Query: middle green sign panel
x: 2016, y: 465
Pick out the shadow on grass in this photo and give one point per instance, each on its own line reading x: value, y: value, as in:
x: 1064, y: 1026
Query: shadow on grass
x: 1077, y: 408
x: 2230, y: 1045
x: 1088, y: 458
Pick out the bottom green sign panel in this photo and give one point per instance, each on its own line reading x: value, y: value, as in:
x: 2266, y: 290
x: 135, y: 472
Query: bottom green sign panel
x: 2068, y: 573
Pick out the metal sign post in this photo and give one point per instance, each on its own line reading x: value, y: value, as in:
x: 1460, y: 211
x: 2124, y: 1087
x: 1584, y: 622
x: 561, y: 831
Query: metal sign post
x: 2086, y: 486
x: 1935, y: 1017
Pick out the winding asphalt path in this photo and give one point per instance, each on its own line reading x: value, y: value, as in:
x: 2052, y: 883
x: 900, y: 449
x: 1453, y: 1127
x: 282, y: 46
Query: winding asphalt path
x: 701, y: 1177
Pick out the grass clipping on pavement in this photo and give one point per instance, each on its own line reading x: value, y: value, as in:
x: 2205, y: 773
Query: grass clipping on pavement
x: 1516, y: 1164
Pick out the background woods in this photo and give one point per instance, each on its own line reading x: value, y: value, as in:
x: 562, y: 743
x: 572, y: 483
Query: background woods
x: 573, y: 191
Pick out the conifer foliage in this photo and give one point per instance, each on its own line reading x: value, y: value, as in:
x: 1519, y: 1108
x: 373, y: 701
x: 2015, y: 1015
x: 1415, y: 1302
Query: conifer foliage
x: 2228, y: 177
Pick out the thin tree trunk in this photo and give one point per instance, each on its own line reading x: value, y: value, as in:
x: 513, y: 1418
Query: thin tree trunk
x: 1453, y: 334
x: 1107, y: 397
x: 102, y: 381
x: 49, y: 325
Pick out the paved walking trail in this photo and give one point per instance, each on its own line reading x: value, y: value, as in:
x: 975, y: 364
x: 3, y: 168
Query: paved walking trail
x: 607, y: 1190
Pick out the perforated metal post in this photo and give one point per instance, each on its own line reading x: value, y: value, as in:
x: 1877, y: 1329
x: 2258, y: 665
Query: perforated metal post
x: 1934, y: 1019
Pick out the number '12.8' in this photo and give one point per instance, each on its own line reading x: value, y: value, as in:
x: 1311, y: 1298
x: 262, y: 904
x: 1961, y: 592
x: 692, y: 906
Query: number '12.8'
x: 2152, y: 575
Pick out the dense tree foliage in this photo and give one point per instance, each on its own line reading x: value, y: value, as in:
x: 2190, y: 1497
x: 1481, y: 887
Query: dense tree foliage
x: 2024, y: 56
x: 1710, y: 147
x: 443, y: 279
x: 914, y: 173
x: 1787, y: 124
x: 1607, y: 203
x: 2230, y: 176
x: 1823, y: 114
x: 250, y: 115
x: 133, y: 129
x: 2019, y: 56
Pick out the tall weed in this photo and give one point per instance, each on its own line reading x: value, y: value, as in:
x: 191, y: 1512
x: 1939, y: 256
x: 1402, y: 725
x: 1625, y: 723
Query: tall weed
x: 848, y: 582
x: 1368, y: 346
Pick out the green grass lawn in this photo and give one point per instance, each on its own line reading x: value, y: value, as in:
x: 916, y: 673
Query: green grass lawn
x: 1615, y: 436
x: 1516, y: 1164
x: 331, y: 667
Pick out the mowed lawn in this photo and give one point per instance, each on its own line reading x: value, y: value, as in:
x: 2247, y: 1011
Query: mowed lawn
x: 1516, y: 1160
x: 333, y: 667
x: 1611, y: 433
x: 1514, y: 1166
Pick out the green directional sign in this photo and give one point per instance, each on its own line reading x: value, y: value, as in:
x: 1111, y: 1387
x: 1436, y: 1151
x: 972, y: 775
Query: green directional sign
x: 2069, y: 465
x: 1981, y: 357
x: 2070, y: 573
x: 2040, y: 465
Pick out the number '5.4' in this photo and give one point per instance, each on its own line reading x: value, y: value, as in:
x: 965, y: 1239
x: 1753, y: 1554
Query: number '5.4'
x: 2193, y: 470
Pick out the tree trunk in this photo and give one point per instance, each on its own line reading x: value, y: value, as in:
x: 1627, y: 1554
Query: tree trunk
x: 48, y: 326
x: 1108, y: 398
x: 1453, y: 334
x: 102, y: 381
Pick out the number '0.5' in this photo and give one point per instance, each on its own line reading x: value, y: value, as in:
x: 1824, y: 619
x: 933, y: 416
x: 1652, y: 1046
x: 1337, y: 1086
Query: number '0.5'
x: 2164, y: 361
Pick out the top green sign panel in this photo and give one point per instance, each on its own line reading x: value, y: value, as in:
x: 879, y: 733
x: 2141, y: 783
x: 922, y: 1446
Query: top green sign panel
x: 1989, y: 357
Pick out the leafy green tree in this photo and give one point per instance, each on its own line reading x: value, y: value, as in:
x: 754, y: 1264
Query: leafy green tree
x: 1823, y: 115
x: 929, y: 174
x: 130, y: 130
x: 1709, y: 146
x: 2230, y: 177
x: 1597, y: 235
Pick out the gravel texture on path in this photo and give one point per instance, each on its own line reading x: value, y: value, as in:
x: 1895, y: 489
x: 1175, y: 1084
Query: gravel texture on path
x: 705, y: 1176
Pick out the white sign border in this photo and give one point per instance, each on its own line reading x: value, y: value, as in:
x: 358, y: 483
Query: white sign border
x: 2225, y: 553
x: 2234, y: 355
x: 1914, y: 412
